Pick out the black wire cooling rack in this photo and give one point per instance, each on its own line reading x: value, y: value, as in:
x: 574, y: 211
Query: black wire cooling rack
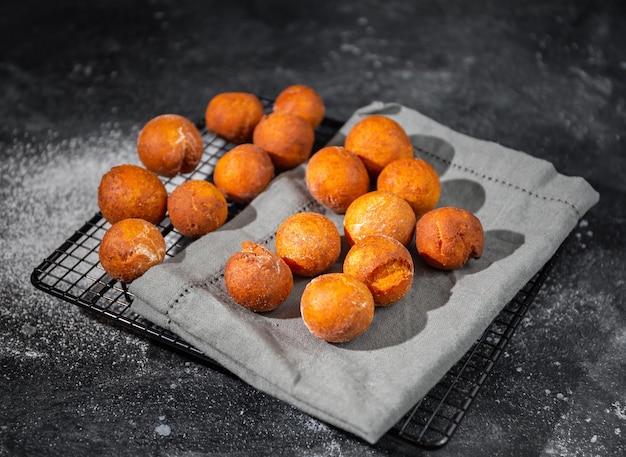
x: 73, y: 273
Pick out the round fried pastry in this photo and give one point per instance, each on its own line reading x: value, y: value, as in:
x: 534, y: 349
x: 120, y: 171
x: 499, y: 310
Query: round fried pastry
x: 233, y: 115
x: 379, y: 213
x: 197, y: 207
x: 309, y: 243
x: 170, y: 144
x: 287, y: 138
x: 378, y: 140
x: 336, y: 307
x: 130, y: 247
x: 243, y: 172
x: 385, y: 266
x: 413, y: 179
x: 257, y: 279
x: 335, y: 177
x: 446, y: 238
x: 129, y: 191
x: 301, y: 100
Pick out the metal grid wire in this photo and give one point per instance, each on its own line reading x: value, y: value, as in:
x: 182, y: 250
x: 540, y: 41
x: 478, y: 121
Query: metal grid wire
x: 73, y: 273
x: 434, y: 419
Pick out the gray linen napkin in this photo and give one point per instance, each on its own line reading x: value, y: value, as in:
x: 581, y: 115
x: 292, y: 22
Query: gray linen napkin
x: 367, y: 385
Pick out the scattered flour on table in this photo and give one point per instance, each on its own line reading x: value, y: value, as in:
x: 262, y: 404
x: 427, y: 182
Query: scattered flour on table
x: 620, y: 411
x: 50, y: 187
x: 313, y: 425
x: 28, y: 330
x: 582, y: 234
x: 163, y: 429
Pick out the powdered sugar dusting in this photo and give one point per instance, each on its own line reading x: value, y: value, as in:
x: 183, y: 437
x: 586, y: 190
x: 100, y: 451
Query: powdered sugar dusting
x: 53, y: 183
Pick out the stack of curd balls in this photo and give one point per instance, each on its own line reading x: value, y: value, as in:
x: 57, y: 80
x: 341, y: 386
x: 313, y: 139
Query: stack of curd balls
x: 386, y: 195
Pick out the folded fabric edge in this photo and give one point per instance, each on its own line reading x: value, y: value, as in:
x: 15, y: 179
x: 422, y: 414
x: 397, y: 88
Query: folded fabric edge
x: 252, y: 378
x: 581, y: 198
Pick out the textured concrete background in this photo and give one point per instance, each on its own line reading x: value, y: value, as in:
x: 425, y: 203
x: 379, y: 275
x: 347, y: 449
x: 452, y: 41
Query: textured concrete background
x: 79, y: 79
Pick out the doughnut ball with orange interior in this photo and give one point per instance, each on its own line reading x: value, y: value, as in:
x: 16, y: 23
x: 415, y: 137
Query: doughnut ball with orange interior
x: 170, y: 144
x: 130, y: 247
x: 379, y: 213
x: 446, y: 238
x: 129, y: 190
x: 308, y: 242
x: 378, y: 140
x: 257, y: 279
x: 243, y: 172
x: 413, y: 179
x: 384, y: 265
x: 233, y: 115
x: 301, y: 100
x: 335, y: 177
x: 336, y: 307
x: 287, y: 138
x: 196, y: 208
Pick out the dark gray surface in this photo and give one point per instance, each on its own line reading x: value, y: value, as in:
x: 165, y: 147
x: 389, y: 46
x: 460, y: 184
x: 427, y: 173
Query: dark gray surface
x: 79, y: 79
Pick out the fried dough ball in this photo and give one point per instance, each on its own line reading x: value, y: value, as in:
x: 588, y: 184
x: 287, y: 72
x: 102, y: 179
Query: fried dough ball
x: 233, y: 115
x: 303, y: 101
x: 170, y: 144
x: 257, y: 279
x: 379, y: 213
x: 446, y: 238
x: 413, y: 179
x: 335, y: 177
x: 130, y: 247
x: 337, y: 307
x: 287, y: 138
x: 128, y: 190
x: 309, y: 243
x: 384, y: 265
x: 196, y: 208
x: 243, y: 172
x: 378, y: 140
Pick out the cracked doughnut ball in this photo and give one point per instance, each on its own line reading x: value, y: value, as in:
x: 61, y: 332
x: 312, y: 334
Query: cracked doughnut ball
x: 379, y: 213
x: 257, y: 279
x: 233, y: 115
x: 303, y: 101
x: 335, y: 177
x: 131, y: 247
x: 287, y: 138
x: 243, y: 172
x: 384, y: 265
x: 378, y: 140
x: 336, y: 307
x: 413, y: 179
x: 127, y: 191
x: 197, y: 207
x: 446, y: 238
x: 170, y: 144
x: 309, y: 243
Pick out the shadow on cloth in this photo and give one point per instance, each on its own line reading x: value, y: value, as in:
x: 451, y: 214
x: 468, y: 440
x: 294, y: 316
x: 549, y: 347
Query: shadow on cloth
x: 437, y: 152
x: 432, y: 289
